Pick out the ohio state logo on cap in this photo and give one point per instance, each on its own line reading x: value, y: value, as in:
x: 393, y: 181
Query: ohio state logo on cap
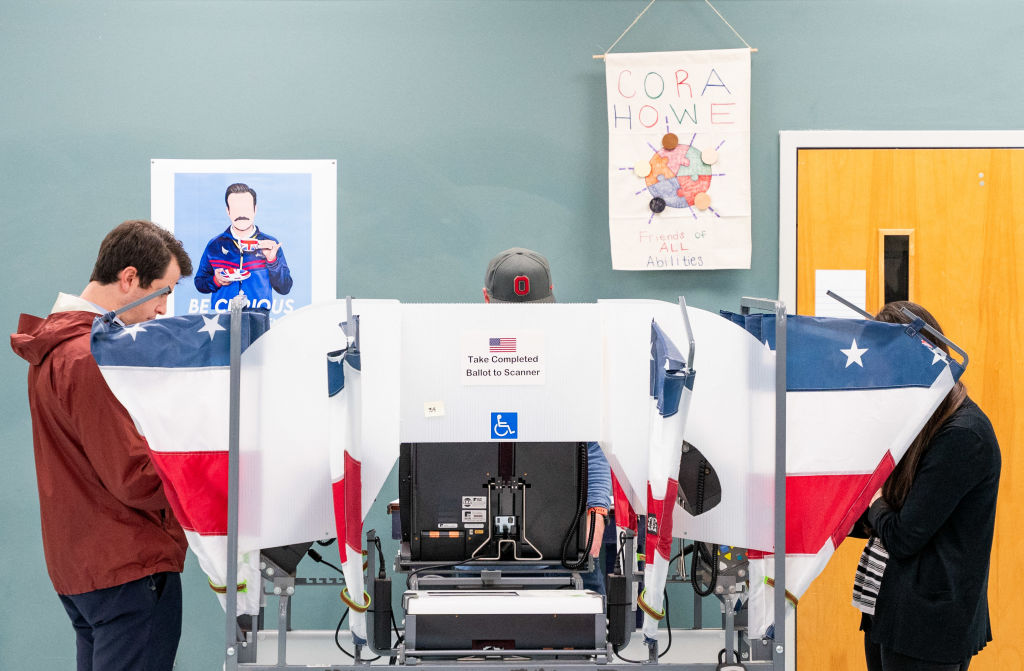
x: 521, y: 285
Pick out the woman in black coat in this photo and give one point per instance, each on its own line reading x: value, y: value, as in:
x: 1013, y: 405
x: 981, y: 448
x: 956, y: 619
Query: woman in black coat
x: 923, y: 580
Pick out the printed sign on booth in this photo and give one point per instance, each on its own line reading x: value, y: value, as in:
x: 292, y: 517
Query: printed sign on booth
x: 502, y: 357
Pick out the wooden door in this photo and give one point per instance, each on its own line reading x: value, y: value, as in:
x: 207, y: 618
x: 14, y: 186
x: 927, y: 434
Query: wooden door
x: 965, y: 208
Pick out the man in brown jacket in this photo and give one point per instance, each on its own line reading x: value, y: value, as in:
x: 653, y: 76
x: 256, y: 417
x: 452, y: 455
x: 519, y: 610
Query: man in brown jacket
x: 114, y: 550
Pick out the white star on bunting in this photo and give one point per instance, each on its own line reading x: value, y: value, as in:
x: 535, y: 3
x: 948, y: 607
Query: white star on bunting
x: 211, y: 326
x: 134, y: 330
x: 854, y: 354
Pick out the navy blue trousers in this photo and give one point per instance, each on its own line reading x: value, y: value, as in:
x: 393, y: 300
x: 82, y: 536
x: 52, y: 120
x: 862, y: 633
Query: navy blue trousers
x: 129, y: 627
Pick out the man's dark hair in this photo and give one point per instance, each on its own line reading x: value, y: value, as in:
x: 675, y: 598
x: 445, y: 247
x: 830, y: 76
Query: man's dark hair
x: 239, y: 188
x: 143, y: 245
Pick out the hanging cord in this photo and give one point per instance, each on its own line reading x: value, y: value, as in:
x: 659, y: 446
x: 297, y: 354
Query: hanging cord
x: 380, y: 559
x: 699, y: 549
x: 630, y: 27
x: 710, y: 558
x: 620, y: 555
x: 581, y: 506
x: 730, y: 25
x: 317, y: 557
x: 398, y: 641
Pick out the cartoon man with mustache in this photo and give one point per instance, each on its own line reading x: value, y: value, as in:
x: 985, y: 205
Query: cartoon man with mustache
x: 243, y: 258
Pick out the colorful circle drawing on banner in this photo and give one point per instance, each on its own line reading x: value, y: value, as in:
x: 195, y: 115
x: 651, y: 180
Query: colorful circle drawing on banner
x: 678, y: 175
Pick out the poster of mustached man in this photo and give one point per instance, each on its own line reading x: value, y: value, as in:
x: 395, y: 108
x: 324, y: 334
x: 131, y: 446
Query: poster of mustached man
x: 259, y: 227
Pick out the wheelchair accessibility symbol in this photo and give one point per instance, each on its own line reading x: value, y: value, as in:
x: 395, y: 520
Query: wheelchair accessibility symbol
x: 505, y: 425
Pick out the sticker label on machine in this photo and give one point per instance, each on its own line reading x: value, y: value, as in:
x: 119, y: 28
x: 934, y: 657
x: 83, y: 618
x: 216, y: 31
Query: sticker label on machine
x: 474, y: 502
x: 469, y: 516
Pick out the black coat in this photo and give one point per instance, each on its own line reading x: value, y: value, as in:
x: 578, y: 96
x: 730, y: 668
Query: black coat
x: 933, y: 601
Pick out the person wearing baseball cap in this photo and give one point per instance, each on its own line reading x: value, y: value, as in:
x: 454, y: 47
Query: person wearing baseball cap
x: 520, y: 275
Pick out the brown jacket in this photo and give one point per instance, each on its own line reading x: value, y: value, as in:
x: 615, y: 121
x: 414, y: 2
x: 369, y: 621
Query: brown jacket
x: 105, y: 518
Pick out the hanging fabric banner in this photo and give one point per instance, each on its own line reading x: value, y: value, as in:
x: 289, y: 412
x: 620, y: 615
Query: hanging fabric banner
x: 344, y: 387
x: 173, y: 377
x: 857, y: 393
x: 671, y: 389
x: 679, y: 159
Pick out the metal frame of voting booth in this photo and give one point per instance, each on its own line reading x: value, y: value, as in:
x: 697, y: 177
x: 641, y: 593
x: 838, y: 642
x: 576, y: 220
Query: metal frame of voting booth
x: 779, y: 308
x: 239, y: 654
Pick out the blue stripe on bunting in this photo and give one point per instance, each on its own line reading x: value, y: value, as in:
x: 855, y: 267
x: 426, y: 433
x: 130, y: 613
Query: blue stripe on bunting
x: 337, y: 359
x: 826, y: 353
x: 669, y: 374
x: 335, y: 372
x: 188, y: 341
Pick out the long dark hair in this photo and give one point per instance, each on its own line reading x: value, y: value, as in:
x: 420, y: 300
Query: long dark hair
x: 897, y: 485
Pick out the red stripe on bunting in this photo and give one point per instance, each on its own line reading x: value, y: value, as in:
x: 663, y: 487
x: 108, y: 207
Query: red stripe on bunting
x: 860, y: 504
x: 353, y: 503
x: 196, y: 486
x: 659, y: 532
x: 823, y: 508
x: 338, y: 492
x: 625, y: 516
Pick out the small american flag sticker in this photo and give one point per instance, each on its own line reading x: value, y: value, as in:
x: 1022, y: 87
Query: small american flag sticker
x: 502, y: 345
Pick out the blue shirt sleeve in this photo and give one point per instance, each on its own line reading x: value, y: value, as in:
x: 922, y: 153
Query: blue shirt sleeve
x: 599, y: 477
x: 203, y: 280
x: 280, y: 275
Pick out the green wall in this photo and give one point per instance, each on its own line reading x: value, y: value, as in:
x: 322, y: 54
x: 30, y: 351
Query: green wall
x: 460, y: 128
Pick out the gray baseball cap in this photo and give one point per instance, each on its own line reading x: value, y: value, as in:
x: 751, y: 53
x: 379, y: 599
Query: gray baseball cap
x: 519, y: 275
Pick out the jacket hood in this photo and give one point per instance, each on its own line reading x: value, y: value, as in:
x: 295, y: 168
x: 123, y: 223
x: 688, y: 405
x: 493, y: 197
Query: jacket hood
x: 37, y: 337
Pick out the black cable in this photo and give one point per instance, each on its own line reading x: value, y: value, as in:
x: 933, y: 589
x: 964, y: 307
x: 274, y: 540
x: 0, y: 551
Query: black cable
x: 668, y: 626
x: 327, y: 543
x: 701, y: 552
x: 711, y: 558
x: 394, y: 625
x: 434, y: 567
x: 589, y: 541
x: 318, y: 558
x: 337, y: 641
x: 620, y: 555
x: 315, y: 556
x: 581, y: 508
x: 615, y: 649
x: 701, y: 474
x: 620, y: 568
x: 398, y: 641
x: 337, y: 631
x: 380, y: 556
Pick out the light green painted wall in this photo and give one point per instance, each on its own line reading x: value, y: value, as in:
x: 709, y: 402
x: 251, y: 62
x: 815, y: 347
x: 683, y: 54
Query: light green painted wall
x: 461, y: 128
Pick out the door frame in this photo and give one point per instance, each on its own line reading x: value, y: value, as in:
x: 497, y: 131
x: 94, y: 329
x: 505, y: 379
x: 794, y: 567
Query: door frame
x: 792, y: 141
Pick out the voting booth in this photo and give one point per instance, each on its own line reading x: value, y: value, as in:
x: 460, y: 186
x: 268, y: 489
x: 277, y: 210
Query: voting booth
x: 489, y: 409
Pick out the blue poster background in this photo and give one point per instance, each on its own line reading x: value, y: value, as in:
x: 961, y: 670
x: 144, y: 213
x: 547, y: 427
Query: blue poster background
x: 284, y: 209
